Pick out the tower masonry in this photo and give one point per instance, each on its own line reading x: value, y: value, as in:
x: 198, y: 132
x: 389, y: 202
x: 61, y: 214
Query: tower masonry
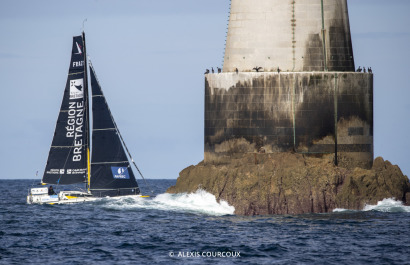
x: 289, y: 85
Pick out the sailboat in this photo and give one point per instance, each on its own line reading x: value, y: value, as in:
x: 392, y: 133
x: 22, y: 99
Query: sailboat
x: 107, y: 171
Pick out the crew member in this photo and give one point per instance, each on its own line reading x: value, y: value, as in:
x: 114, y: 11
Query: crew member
x: 51, y: 191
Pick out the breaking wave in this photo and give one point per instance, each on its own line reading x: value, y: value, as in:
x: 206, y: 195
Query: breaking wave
x: 200, y: 202
x: 386, y: 205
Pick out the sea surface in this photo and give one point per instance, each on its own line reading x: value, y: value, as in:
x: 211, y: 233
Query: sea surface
x: 193, y: 229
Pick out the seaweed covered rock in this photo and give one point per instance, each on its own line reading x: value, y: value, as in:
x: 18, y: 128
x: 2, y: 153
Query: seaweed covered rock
x: 289, y: 183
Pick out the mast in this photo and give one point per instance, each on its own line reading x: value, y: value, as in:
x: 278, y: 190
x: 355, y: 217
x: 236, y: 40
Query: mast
x: 87, y: 114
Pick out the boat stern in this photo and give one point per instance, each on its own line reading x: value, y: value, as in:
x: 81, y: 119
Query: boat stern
x: 40, y: 196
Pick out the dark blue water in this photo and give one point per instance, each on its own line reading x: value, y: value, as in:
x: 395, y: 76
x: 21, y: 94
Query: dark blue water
x: 192, y: 229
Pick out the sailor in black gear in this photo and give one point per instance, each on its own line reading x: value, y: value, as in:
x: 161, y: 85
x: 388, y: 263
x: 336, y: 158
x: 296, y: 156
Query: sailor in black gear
x: 51, y: 191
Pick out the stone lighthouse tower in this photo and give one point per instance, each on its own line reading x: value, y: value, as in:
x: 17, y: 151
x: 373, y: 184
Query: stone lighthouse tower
x: 294, y: 35
x: 289, y: 85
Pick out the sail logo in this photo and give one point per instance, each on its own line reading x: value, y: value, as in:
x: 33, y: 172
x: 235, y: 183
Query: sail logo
x: 74, y: 128
x: 79, y: 48
x: 76, y: 88
x: 120, y: 172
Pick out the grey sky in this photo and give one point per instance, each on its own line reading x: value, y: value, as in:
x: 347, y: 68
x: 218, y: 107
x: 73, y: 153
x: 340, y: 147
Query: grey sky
x: 150, y: 57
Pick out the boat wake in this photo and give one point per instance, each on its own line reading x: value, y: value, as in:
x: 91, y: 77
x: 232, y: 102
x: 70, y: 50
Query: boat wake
x: 199, y: 202
x: 386, y: 205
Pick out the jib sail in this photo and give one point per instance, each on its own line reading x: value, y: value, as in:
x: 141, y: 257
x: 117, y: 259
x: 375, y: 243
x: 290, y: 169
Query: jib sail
x: 110, y: 167
x: 67, y: 159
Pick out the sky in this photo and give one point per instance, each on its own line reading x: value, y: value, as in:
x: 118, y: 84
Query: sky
x: 150, y: 57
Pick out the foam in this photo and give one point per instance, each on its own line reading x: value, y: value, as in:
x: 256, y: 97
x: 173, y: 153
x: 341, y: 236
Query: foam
x: 390, y: 205
x: 200, y: 202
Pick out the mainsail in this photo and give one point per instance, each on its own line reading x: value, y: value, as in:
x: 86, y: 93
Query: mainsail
x: 67, y: 159
x: 110, y: 167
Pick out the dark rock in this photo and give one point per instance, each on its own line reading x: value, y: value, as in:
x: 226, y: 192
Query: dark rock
x: 289, y: 183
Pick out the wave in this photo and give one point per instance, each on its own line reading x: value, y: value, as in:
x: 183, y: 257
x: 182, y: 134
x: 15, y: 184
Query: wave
x: 390, y: 205
x: 199, y: 202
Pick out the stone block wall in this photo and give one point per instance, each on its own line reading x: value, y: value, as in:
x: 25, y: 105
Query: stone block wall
x: 314, y: 113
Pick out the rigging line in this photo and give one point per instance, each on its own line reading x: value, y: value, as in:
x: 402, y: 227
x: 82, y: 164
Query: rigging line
x: 126, y: 148
x: 32, y: 185
x: 128, y: 152
x: 119, y: 134
x: 135, y: 165
x: 65, y: 163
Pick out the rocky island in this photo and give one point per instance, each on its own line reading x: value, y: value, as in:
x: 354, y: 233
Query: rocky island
x: 288, y: 125
x: 290, y: 183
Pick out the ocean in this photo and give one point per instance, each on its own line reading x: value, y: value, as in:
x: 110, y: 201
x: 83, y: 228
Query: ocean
x: 193, y: 229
